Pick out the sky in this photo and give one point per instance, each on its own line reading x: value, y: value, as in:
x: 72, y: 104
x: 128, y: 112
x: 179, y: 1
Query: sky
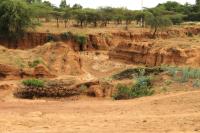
x: 130, y: 4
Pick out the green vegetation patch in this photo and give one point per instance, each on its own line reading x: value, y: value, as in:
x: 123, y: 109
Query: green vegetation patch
x: 35, y: 63
x: 183, y: 74
x: 142, y: 87
x: 33, y: 83
x: 135, y: 72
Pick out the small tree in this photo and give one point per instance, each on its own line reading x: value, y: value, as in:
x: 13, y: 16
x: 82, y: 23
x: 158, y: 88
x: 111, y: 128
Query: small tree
x: 157, y: 20
x: 57, y: 15
x: 129, y: 17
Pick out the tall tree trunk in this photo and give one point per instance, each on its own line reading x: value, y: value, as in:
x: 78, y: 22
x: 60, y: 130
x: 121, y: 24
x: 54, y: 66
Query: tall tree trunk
x: 95, y: 23
x: 126, y: 25
x: 65, y: 23
x: 81, y: 23
x: 57, y: 19
x: 154, y: 33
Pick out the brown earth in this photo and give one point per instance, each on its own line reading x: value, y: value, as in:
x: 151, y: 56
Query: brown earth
x: 171, y: 113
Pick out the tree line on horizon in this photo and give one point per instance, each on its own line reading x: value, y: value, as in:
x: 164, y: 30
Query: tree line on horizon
x: 18, y: 15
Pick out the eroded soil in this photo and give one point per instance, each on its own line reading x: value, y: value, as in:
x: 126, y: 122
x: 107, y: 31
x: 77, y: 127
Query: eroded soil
x: 173, y: 109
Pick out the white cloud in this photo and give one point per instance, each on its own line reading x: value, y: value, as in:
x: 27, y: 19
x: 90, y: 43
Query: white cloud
x: 131, y: 4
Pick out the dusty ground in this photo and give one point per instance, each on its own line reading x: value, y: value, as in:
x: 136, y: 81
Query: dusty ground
x: 172, y: 113
x: 176, y: 111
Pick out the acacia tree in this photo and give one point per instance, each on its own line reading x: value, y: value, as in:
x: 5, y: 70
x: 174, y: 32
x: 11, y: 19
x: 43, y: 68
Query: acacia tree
x: 129, y: 16
x: 156, y: 19
x: 93, y: 16
x: 106, y: 15
x: 63, y: 4
x: 15, y: 18
x: 80, y: 16
x: 67, y: 15
x: 57, y: 15
x: 41, y: 10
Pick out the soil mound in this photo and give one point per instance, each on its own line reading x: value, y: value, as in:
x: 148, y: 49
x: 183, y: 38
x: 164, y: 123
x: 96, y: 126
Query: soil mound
x: 49, y: 60
x: 60, y: 58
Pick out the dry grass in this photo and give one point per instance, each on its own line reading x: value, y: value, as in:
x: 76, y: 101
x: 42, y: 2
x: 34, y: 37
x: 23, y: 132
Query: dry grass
x: 52, y: 28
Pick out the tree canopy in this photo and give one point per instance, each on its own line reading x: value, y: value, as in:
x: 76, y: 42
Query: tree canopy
x: 18, y: 15
x: 15, y: 18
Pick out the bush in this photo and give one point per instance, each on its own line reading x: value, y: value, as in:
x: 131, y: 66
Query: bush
x: 196, y: 84
x: 35, y: 63
x: 81, y: 40
x: 141, y: 88
x: 50, y: 38
x: 33, y: 83
x: 66, y: 36
x: 123, y: 92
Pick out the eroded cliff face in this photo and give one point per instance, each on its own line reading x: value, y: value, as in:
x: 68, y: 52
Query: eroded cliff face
x: 154, y: 54
x: 96, y: 41
x: 129, y: 46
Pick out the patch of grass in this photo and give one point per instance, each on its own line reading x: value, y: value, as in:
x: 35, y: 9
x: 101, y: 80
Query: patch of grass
x: 142, y: 87
x: 33, y: 83
x: 183, y: 74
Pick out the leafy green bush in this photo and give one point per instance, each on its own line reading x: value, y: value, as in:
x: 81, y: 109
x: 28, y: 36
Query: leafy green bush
x: 33, y: 83
x: 141, y: 88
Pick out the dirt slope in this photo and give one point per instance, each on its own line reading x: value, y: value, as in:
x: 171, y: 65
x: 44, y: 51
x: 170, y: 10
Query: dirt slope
x: 172, y: 113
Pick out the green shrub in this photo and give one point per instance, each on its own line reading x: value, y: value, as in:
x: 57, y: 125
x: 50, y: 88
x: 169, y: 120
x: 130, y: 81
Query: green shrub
x: 81, y: 40
x: 141, y: 88
x: 50, y: 38
x: 33, y: 83
x: 35, y: 63
x: 66, y: 36
x: 196, y: 83
x: 123, y: 92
